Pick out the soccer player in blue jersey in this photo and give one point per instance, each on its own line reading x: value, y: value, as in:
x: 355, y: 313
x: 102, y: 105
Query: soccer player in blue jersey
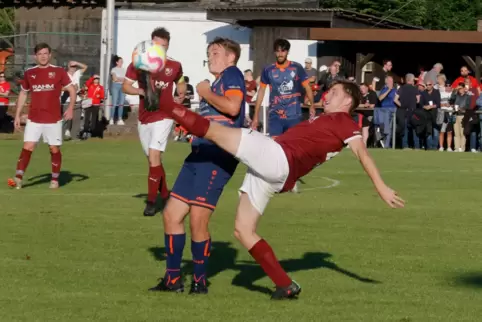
x: 205, y: 172
x: 286, y: 80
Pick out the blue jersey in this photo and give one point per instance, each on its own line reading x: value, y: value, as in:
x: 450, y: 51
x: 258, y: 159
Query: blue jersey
x: 229, y: 82
x: 286, y: 86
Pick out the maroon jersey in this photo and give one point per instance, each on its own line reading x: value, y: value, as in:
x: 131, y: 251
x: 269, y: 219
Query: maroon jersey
x: 45, y: 85
x: 311, y: 143
x: 163, y: 82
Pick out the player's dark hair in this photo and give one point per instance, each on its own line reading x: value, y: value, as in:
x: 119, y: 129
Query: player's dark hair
x: 162, y: 33
x: 248, y: 71
x: 386, y: 61
x: 364, y: 84
x: 351, y: 89
x: 186, y: 79
x: 281, y: 44
x: 38, y: 47
x: 229, y: 45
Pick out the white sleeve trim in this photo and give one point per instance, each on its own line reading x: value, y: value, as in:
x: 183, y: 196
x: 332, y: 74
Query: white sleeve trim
x: 358, y: 136
x: 69, y: 84
x: 23, y: 89
x: 130, y: 80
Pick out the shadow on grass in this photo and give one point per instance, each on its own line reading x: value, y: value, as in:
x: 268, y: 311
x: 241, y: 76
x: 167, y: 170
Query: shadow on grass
x: 470, y: 280
x: 65, y: 178
x: 223, y: 257
x: 160, y: 203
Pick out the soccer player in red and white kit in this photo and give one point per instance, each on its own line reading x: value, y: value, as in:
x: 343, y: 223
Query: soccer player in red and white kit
x: 291, y: 155
x: 45, y: 83
x: 154, y: 124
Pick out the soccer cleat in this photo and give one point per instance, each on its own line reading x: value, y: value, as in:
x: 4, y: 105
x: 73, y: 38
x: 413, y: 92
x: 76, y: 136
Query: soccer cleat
x: 54, y: 184
x: 198, y: 288
x: 15, y: 183
x: 289, y: 292
x: 150, y: 209
x: 175, y: 285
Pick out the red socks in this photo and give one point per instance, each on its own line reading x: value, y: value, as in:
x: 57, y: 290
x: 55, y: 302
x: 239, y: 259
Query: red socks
x: 264, y: 256
x: 153, y: 182
x: 193, y: 122
x: 22, y: 163
x: 163, y: 190
x: 56, y: 159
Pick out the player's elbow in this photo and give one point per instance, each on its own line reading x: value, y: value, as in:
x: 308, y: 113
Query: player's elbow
x: 233, y: 110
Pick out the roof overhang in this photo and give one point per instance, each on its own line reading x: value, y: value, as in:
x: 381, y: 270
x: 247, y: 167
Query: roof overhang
x: 236, y: 15
x: 394, y: 35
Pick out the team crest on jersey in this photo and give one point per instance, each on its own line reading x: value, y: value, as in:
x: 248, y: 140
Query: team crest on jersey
x: 168, y: 71
x: 51, y: 74
x: 293, y: 74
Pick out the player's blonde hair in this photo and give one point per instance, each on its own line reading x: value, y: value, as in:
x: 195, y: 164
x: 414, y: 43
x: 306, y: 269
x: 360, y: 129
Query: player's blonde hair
x: 229, y: 45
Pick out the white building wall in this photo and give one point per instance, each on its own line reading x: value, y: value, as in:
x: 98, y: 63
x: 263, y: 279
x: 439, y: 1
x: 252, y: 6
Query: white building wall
x: 190, y: 33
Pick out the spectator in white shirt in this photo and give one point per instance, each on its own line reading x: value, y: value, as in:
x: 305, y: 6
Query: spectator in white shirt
x: 75, y: 70
x: 118, y: 73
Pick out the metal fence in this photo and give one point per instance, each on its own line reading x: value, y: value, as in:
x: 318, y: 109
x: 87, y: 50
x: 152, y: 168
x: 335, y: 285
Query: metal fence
x: 66, y: 46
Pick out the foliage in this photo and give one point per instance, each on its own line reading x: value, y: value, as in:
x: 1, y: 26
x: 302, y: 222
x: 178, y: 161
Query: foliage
x: 430, y: 14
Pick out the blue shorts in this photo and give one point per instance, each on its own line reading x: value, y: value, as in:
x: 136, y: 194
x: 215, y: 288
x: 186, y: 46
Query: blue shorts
x: 202, y: 178
x: 278, y: 126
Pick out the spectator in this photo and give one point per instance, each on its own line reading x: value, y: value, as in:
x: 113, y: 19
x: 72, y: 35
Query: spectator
x: 471, y: 124
x: 430, y: 102
x: 75, y: 70
x: 387, y: 100
x: 368, y: 102
x: 4, y: 92
x: 432, y: 75
x: 447, y: 125
x: 189, y: 93
x: 407, y: 99
x: 378, y: 81
x: 95, y: 93
x: 310, y: 71
x: 118, y: 74
x: 461, y: 103
x: 464, y: 73
x: 331, y: 75
x: 251, y: 86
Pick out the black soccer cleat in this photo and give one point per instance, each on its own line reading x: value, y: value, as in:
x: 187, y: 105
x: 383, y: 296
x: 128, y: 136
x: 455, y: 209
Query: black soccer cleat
x: 198, y: 288
x: 168, y: 286
x: 290, y: 292
x: 150, y: 209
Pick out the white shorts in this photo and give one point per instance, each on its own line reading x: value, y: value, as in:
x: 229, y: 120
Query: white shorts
x: 268, y: 167
x: 155, y: 135
x: 51, y: 132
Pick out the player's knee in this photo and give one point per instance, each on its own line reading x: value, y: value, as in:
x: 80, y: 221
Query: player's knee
x: 154, y: 157
x: 54, y: 149
x: 199, y: 220
x: 29, y: 146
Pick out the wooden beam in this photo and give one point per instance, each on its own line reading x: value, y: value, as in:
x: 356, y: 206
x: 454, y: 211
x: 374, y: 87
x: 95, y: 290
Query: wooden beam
x: 361, y: 61
x: 470, y: 62
x: 392, y: 35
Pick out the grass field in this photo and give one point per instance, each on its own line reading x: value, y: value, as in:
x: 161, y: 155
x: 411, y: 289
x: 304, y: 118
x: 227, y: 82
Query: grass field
x: 86, y: 253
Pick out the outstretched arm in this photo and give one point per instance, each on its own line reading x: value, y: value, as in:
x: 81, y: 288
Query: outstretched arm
x: 388, y: 195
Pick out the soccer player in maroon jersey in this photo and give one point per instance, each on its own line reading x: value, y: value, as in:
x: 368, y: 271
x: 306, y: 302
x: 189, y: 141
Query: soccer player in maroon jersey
x: 292, y: 155
x: 45, y: 82
x: 154, y: 123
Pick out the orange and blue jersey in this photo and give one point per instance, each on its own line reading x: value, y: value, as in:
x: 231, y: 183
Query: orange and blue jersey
x: 286, y: 87
x: 229, y: 82
x: 208, y: 168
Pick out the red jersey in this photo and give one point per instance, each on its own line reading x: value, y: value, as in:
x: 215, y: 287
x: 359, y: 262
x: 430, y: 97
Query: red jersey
x: 4, y: 88
x: 461, y: 79
x: 162, y: 82
x: 313, y: 142
x: 45, y: 85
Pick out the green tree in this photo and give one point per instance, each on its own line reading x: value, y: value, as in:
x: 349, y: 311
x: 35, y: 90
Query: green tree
x: 7, y: 26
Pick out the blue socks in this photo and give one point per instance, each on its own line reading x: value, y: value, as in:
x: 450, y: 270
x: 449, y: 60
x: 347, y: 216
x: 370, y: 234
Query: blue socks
x: 200, y: 255
x: 174, y: 247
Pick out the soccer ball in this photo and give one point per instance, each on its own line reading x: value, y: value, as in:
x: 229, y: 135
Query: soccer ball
x: 149, y: 56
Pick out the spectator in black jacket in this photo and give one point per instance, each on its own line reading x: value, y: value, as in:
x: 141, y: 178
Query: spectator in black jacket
x: 430, y: 102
